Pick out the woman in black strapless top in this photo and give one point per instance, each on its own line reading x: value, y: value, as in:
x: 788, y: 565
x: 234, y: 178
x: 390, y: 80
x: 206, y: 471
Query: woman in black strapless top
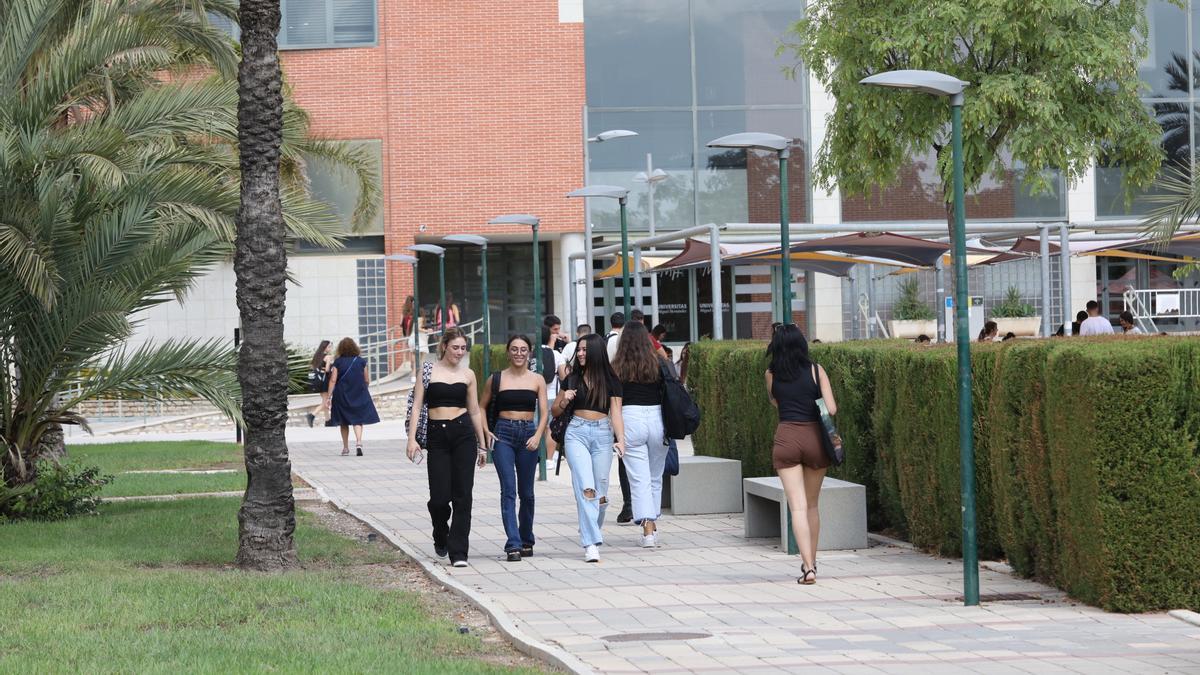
x: 511, y: 397
x: 455, y: 441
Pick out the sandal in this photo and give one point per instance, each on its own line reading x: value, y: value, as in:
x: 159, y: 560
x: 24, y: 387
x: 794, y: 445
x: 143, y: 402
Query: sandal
x: 807, y: 577
x: 345, y: 452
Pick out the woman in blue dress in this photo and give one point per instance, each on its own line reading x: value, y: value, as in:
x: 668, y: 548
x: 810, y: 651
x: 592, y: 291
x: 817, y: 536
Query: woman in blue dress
x: 350, y: 401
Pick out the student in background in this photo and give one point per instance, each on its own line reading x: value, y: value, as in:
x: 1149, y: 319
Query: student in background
x: 1128, y: 325
x: 1095, y: 324
x: 638, y: 369
x: 349, y: 401
x: 989, y: 332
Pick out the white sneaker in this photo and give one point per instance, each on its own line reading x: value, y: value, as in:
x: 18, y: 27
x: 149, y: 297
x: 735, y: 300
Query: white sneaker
x: 649, y: 540
x: 459, y: 563
x: 591, y: 554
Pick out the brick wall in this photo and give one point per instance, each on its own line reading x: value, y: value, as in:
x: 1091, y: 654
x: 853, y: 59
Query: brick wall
x: 478, y: 107
x: 915, y: 198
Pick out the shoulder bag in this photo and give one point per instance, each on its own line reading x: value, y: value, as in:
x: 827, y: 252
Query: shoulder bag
x: 423, y: 417
x: 493, y: 411
x: 831, y: 441
x: 681, y: 416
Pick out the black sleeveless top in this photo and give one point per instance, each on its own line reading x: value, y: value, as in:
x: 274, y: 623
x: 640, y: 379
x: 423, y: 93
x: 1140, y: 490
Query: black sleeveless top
x: 797, y: 398
x: 446, y: 395
x: 516, y: 400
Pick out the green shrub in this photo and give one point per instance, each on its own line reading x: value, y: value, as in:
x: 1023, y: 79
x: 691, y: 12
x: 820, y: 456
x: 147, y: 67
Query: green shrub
x: 1087, y: 470
x: 1012, y: 307
x: 909, y: 307
x: 59, y: 491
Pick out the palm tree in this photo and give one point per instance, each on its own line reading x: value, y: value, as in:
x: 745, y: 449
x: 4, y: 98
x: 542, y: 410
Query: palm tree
x: 119, y: 185
x: 267, y: 518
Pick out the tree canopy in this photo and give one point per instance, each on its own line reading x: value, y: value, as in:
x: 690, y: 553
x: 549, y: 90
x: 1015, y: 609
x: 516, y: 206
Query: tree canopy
x: 1054, y: 82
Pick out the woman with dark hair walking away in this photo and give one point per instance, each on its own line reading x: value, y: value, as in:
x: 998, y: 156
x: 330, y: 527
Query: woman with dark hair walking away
x: 639, y: 370
x: 318, y: 378
x: 794, y: 383
x: 349, y: 399
x: 592, y: 396
x: 510, y: 398
x: 455, y: 438
x: 408, y: 323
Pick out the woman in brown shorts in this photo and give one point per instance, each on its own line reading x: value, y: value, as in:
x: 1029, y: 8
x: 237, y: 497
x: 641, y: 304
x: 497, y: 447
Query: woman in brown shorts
x: 794, y: 384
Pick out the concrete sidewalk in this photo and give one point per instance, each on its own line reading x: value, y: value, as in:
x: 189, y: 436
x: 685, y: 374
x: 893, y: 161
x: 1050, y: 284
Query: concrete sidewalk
x: 708, y: 600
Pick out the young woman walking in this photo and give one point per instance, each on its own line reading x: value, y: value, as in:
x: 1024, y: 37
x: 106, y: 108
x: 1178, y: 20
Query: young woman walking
x: 455, y: 440
x: 408, y: 323
x: 639, y: 370
x: 349, y: 399
x: 318, y: 377
x: 595, y: 393
x: 514, y: 442
x: 794, y: 383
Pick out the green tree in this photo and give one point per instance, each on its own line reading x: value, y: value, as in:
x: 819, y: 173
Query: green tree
x: 119, y: 185
x: 1053, y: 81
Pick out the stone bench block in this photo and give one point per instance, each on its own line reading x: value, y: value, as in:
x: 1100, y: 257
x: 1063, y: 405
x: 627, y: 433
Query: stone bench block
x: 704, y: 485
x: 843, y: 507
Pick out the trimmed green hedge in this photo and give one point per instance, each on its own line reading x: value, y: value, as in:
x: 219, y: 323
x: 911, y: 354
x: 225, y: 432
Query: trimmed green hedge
x: 1087, y: 467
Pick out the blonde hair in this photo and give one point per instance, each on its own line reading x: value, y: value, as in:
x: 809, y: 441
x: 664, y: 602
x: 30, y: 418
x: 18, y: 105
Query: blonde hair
x: 450, y: 335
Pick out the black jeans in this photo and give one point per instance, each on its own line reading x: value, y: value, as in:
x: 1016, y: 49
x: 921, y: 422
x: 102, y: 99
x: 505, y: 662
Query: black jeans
x: 451, y: 463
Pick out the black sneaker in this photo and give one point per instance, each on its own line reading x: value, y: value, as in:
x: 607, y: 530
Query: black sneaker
x: 439, y: 550
x: 626, y: 515
x: 311, y: 418
x: 526, y: 551
x: 358, y: 451
x: 514, y: 556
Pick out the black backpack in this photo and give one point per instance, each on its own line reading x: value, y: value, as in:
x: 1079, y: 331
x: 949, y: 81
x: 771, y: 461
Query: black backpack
x: 681, y: 416
x: 549, y: 372
x: 493, y: 410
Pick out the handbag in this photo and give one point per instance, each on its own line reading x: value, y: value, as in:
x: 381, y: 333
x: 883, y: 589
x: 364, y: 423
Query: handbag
x: 831, y: 441
x: 681, y: 416
x: 493, y: 411
x: 423, y: 418
x: 559, y: 424
x: 671, y: 467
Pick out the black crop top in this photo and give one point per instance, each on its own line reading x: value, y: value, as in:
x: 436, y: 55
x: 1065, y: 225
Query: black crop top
x: 641, y: 393
x: 576, y: 382
x: 446, y: 395
x: 797, y: 398
x: 516, y: 400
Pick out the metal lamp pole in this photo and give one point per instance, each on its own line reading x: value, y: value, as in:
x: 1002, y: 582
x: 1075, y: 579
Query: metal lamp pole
x: 482, y: 243
x: 651, y: 177
x: 940, y: 84
x: 621, y: 195
x: 753, y: 140
x: 588, y: 272
x: 532, y: 222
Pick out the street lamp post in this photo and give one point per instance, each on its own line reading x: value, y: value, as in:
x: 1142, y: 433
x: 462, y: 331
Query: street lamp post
x: 416, y: 326
x: 532, y: 222
x: 482, y: 243
x: 441, y: 255
x: 589, y: 273
x: 782, y: 148
x: 622, y: 196
x: 940, y: 84
x: 651, y: 177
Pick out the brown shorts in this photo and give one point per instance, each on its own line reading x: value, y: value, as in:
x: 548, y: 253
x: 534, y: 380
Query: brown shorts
x: 798, y: 443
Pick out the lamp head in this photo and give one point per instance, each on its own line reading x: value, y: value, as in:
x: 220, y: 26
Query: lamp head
x: 610, y: 191
x: 656, y: 176
x: 927, y: 81
x: 428, y: 248
x: 515, y: 219
x: 752, y: 139
x: 400, y: 257
x: 611, y: 134
x: 467, y: 239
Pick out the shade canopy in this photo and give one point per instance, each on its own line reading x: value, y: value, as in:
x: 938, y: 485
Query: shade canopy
x: 1023, y: 249
x: 698, y: 253
x: 836, y: 265
x: 883, y: 245
x: 1183, y: 248
x: 614, y: 270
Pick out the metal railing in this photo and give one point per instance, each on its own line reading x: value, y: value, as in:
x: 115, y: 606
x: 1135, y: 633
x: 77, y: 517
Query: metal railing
x: 391, y: 353
x: 1174, y: 303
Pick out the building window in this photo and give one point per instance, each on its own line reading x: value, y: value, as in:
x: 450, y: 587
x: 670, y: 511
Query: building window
x: 323, y: 24
x: 372, y: 312
x: 338, y: 188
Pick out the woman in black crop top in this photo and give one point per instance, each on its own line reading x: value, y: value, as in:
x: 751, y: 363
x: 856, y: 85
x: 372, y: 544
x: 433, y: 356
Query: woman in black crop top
x: 638, y: 367
x: 511, y: 397
x: 455, y: 440
x: 794, y: 383
x: 592, y: 396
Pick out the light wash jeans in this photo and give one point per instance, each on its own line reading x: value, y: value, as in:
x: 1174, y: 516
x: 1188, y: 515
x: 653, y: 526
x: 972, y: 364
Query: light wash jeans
x: 645, y: 458
x: 589, y: 448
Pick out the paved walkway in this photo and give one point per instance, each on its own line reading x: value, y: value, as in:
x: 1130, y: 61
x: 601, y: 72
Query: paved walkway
x: 885, y: 609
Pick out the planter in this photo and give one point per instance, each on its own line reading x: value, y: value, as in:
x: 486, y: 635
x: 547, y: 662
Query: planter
x: 1021, y: 327
x: 911, y: 329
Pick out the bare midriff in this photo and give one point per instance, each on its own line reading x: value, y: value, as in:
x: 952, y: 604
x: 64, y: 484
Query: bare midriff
x: 444, y: 414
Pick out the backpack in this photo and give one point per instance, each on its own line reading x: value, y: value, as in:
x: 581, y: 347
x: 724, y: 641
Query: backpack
x: 493, y: 411
x: 549, y: 371
x: 681, y: 416
x: 423, y: 418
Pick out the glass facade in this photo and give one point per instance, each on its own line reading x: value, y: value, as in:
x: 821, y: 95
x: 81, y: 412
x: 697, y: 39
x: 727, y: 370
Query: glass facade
x: 1170, y: 92
x: 681, y: 73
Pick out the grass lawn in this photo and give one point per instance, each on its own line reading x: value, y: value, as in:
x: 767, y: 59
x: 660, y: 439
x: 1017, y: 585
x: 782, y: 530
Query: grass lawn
x: 117, y: 458
x: 146, y: 587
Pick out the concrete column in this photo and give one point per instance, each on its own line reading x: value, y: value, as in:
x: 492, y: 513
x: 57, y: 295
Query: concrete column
x: 576, y: 303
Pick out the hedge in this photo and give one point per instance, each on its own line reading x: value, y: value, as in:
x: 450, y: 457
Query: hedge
x: 1087, y: 469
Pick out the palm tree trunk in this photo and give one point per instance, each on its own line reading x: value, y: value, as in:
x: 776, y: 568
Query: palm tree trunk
x: 267, y: 519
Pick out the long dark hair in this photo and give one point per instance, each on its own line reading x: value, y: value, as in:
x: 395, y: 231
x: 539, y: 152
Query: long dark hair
x: 636, y: 360
x: 595, y: 371
x: 318, y: 359
x: 789, y: 352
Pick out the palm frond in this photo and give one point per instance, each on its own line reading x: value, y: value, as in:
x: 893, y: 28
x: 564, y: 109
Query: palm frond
x: 1177, y: 200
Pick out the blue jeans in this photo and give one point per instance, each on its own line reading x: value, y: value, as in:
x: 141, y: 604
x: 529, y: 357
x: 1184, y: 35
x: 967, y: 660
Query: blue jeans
x: 589, y: 449
x: 515, y: 465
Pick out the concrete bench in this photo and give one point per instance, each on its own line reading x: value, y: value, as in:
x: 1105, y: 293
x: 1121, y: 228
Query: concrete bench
x: 704, y: 485
x: 843, y: 509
